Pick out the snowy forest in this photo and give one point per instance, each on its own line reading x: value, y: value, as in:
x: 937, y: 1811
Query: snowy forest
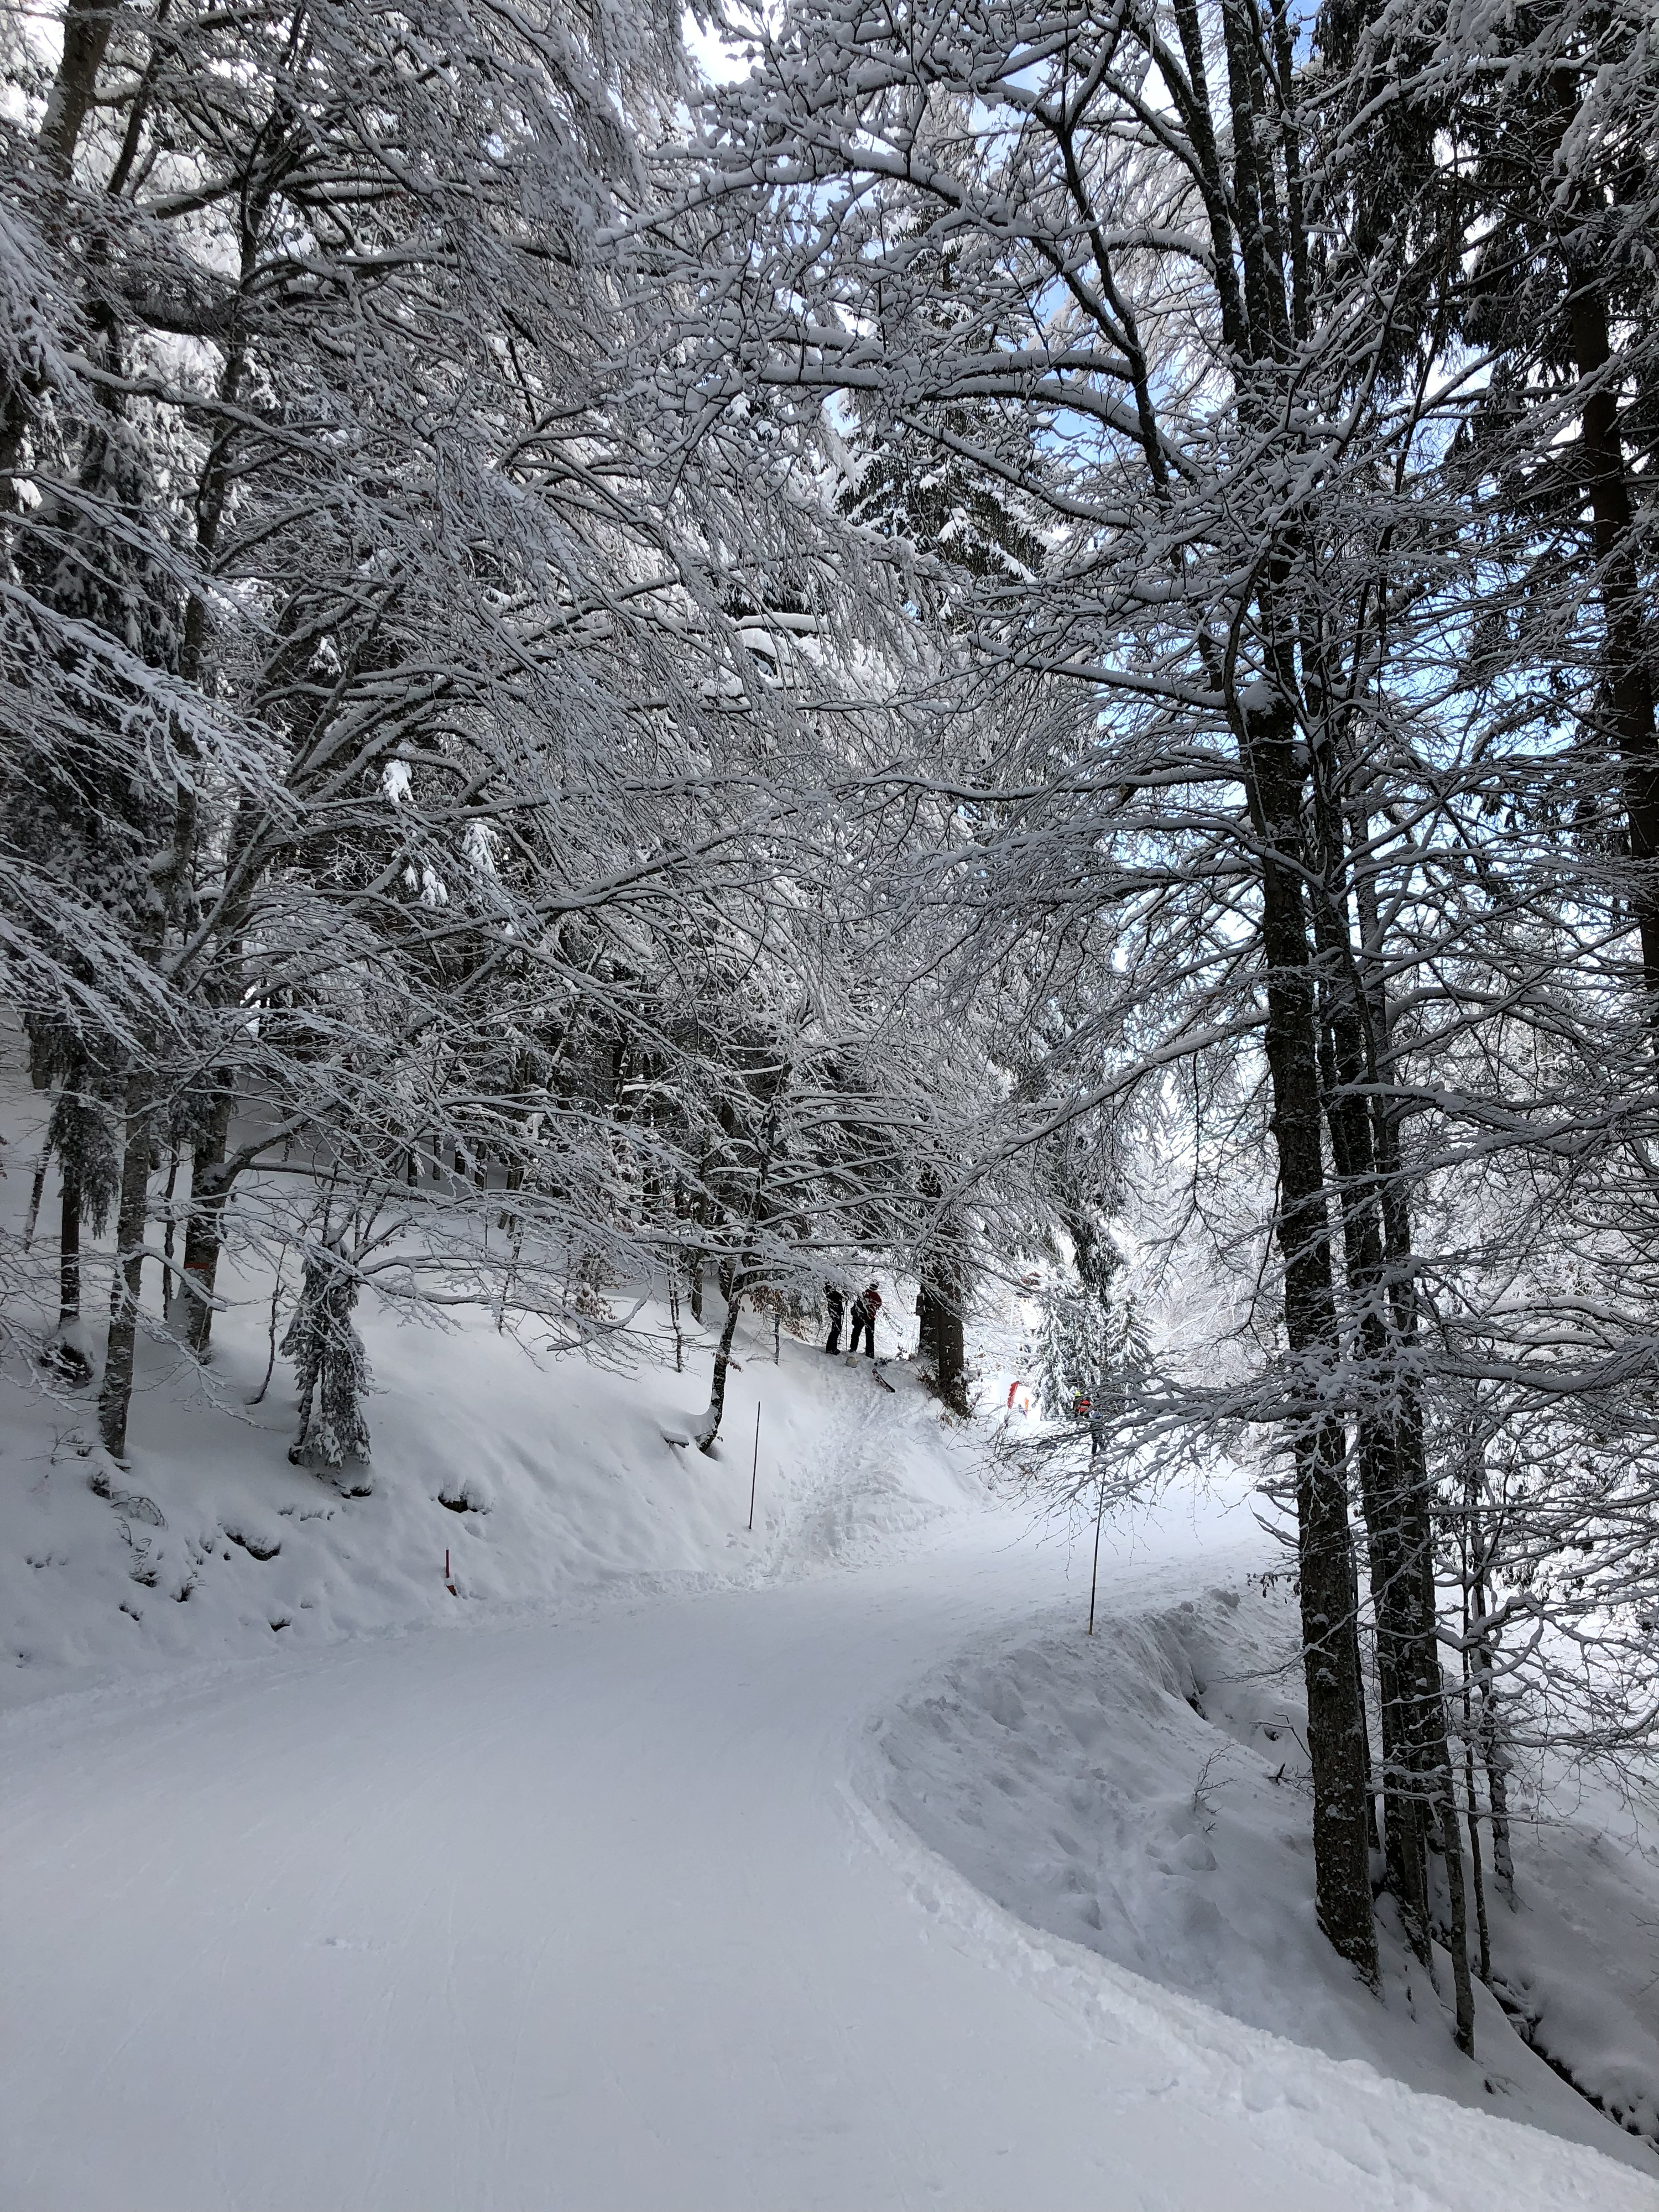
x: 653, y: 660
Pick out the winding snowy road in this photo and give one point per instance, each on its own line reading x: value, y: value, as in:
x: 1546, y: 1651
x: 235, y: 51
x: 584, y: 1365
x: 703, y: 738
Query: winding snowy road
x: 597, y: 1916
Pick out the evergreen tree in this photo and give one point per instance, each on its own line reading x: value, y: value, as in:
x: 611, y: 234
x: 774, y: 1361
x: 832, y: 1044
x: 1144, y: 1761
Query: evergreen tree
x: 1091, y: 1355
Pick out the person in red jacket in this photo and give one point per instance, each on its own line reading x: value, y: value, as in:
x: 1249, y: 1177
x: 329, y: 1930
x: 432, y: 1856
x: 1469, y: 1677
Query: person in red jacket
x: 865, y: 1307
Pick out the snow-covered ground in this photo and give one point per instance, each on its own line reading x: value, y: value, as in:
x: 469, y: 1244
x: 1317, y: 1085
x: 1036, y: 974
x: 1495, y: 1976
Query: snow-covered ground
x: 538, y: 1480
x: 1144, y: 1793
x: 614, y: 1913
x: 662, y: 1864
x: 562, y: 1488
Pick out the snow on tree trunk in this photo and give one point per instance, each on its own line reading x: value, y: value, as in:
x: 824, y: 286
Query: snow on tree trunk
x: 708, y: 1427
x: 331, y: 1367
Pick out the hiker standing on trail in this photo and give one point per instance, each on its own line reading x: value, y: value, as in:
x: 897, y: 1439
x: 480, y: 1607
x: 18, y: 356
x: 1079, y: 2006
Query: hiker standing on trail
x: 1085, y: 1409
x: 865, y: 1307
x: 837, y: 1305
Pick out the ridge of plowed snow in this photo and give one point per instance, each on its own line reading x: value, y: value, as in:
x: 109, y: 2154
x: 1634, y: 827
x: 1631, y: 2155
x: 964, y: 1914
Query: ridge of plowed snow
x: 1142, y: 1794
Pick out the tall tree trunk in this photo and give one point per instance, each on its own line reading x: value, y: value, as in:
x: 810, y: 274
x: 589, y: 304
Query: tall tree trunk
x: 132, y: 1216
x: 1457, y: 1942
x: 939, y: 1304
x: 1378, y: 1457
x: 1476, y: 1868
x: 68, y: 1239
x: 950, y: 1355
x: 1274, y: 786
x: 1399, y: 1522
x: 1497, y: 1768
x: 63, y: 1354
x: 37, y: 1190
x: 1373, y: 1833
x: 1384, y: 1419
x: 171, y: 878
x: 1493, y: 1757
x: 212, y: 1175
x: 1325, y: 1544
x: 68, y: 1136
x: 170, y: 1236
x: 1629, y: 676
x: 86, y: 34
x: 940, y: 1334
x: 210, y: 1188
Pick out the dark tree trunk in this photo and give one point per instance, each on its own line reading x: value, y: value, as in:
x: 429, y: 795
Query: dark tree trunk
x: 132, y: 1215
x: 1497, y: 1761
x: 69, y: 1240
x: 171, y: 873
x: 1493, y: 1757
x: 1275, y: 786
x: 710, y: 1427
x: 1458, y: 1943
x: 170, y: 1236
x: 1349, y: 1068
x: 1476, y: 1866
x: 86, y: 34
x: 942, y: 1296
x: 1629, y: 679
x: 949, y: 1355
x: 1373, y: 1833
x: 210, y: 1188
x: 36, y: 1187
x: 1325, y: 1546
x: 940, y: 1335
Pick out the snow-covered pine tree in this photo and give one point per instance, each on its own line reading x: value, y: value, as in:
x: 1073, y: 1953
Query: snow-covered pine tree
x: 1092, y: 1347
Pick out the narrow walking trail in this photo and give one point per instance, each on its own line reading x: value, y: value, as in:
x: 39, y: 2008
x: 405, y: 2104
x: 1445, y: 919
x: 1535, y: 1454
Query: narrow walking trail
x: 599, y: 1916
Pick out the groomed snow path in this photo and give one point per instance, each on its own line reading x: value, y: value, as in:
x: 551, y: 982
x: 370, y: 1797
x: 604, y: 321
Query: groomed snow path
x: 598, y: 1917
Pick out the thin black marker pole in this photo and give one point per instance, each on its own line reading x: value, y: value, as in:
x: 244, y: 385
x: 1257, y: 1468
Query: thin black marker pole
x: 1094, y: 1576
x: 754, y: 1472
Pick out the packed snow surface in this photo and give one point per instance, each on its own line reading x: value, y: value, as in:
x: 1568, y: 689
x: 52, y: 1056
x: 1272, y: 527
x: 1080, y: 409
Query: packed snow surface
x: 614, y: 1912
x: 661, y: 1863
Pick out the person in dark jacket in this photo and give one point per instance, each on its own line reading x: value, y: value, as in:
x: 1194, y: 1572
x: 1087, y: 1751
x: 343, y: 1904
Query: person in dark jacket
x: 837, y: 1305
x: 865, y: 1307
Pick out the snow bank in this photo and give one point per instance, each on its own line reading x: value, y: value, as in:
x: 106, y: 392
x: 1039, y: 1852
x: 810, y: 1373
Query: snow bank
x: 1576, y: 1964
x: 1144, y: 1794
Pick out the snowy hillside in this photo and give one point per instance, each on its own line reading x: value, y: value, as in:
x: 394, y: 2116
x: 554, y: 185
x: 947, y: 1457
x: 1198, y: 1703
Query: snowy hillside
x: 540, y: 1482
x: 1137, y: 1800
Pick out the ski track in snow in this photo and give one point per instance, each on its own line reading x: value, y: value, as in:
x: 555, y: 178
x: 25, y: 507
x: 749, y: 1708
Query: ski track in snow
x: 615, y: 1914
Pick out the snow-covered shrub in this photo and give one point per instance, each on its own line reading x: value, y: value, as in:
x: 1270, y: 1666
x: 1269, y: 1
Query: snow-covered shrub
x: 330, y: 1364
